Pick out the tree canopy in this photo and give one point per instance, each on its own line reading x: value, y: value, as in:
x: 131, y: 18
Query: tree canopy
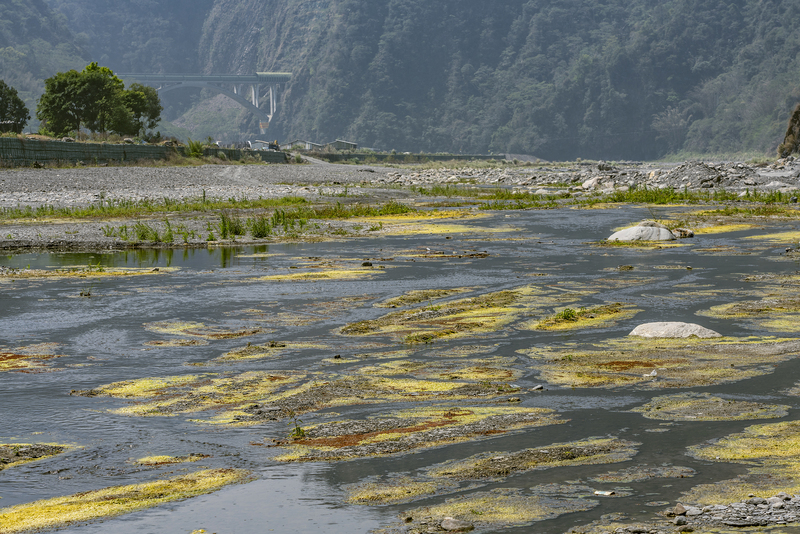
x: 13, y: 113
x: 96, y: 99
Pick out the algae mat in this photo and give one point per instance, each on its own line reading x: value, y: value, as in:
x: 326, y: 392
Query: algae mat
x: 480, y: 371
x: 109, y: 502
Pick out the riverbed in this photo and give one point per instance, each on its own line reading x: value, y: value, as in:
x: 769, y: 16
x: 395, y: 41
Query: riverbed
x: 201, y: 313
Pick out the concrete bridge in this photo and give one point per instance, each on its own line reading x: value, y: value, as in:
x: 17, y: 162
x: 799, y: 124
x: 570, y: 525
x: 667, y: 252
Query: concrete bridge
x: 246, y: 90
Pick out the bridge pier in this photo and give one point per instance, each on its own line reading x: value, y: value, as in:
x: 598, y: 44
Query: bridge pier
x: 232, y: 86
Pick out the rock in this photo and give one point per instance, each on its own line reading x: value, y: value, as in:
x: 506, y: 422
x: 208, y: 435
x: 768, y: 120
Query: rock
x: 756, y: 500
x: 683, y: 233
x: 644, y: 231
x: 68, y: 139
x: 673, y: 330
x: 128, y: 141
x: 693, y: 511
x: 680, y: 520
x: 456, y: 525
x: 679, y: 509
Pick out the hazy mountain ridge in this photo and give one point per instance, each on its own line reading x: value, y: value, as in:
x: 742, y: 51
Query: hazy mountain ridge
x: 560, y: 79
x: 35, y: 43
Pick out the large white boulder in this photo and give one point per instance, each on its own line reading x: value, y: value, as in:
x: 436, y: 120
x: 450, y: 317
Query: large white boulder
x: 644, y: 231
x: 673, y: 330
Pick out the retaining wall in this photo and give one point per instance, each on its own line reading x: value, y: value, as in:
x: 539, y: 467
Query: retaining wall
x: 15, y: 152
x: 405, y: 158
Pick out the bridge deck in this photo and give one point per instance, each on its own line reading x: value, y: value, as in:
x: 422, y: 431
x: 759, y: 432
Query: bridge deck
x: 259, y: 77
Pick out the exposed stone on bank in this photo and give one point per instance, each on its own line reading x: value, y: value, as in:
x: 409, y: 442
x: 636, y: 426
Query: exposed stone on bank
x: 644, y: 231
x: 673, y: 330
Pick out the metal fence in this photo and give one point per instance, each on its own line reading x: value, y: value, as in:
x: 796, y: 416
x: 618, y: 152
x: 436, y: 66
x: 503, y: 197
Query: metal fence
x: 15, y: 152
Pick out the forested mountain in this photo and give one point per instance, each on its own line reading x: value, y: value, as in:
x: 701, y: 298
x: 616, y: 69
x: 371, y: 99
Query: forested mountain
x: 555, y: 78
x: 559, y: 79
x: 35, y: 43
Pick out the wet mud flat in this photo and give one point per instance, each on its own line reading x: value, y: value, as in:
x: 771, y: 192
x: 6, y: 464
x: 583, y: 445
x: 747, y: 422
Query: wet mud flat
x: 468, y: 371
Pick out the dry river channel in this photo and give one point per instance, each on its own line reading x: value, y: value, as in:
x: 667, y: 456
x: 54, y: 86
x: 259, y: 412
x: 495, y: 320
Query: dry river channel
x: 447, y: 371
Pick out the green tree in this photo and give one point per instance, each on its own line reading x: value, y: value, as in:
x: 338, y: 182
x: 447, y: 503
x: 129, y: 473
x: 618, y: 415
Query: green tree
x: 96, y: 99
x: 145, y: 107
x: 12, y: 109
x: 59, y: 108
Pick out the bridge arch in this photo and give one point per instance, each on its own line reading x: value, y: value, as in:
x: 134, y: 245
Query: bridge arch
x: 262, y: 84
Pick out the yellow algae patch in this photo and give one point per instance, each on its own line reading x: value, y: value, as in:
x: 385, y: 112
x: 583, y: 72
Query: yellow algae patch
x: 724, y: 228
x: 772, y: 449
x: 458, y: 318
x: 114, y: 501
x: 177, y: 343
x: 169, y: 460
x: 472, y: 370
x: 353, y: 390
x: 197, y: 393
x: 777, y: 238
x: 423, y: 295
x: 661, y: 363
x: 707, y: 407
x: 28, y: 359
x: 599, y: 316
x: 758, y: 444
x: 395, y: 491
x: 410, y: 430
x: 641, y: 473
x: 641, y: 245
x: 498, y: 465
x: 142, y: 388
x: 14, y: 454
x: 199, y: 330
x: 267, y: 350
x: 84, y: 272
x: 498, y: 508
x: 337, y: 274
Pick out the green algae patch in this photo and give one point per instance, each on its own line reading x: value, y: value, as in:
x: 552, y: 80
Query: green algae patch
x: 481, y: 314
x: 114, y: 501
x: 197, y: 393
x: 410, y: 430
x: 661, y: 363
x: 398, y: 490
x: 157, y: 461
x: 707, y: 407
x: 642, y: 473
x: 772, y: 451
x: 200, y: 330
x: 596, y: 317
x: 331, y: 274
x: 500, y: 508
x: 28, y: 359
x: 499, y: 465
x: 14, y: 454
x: 423, y: 295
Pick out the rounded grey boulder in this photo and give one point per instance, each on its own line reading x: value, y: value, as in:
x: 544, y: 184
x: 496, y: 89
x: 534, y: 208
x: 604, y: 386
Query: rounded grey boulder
x: 644, y: 231
x: 673, y: 330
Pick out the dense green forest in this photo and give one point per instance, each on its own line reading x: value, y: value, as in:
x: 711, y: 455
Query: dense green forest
x: 558, y: 79
x: 35, y: 43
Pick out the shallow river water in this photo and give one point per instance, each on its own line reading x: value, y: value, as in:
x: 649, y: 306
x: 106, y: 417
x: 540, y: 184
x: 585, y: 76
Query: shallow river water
x: 103, y: 338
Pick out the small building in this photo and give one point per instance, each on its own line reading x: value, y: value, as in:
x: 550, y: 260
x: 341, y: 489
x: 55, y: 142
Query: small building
x: 339, y: 144
x: 301, y: 145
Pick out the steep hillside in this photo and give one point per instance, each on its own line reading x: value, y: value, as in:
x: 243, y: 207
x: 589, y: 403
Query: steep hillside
x: 561, y: 79
x: 35, y: 43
